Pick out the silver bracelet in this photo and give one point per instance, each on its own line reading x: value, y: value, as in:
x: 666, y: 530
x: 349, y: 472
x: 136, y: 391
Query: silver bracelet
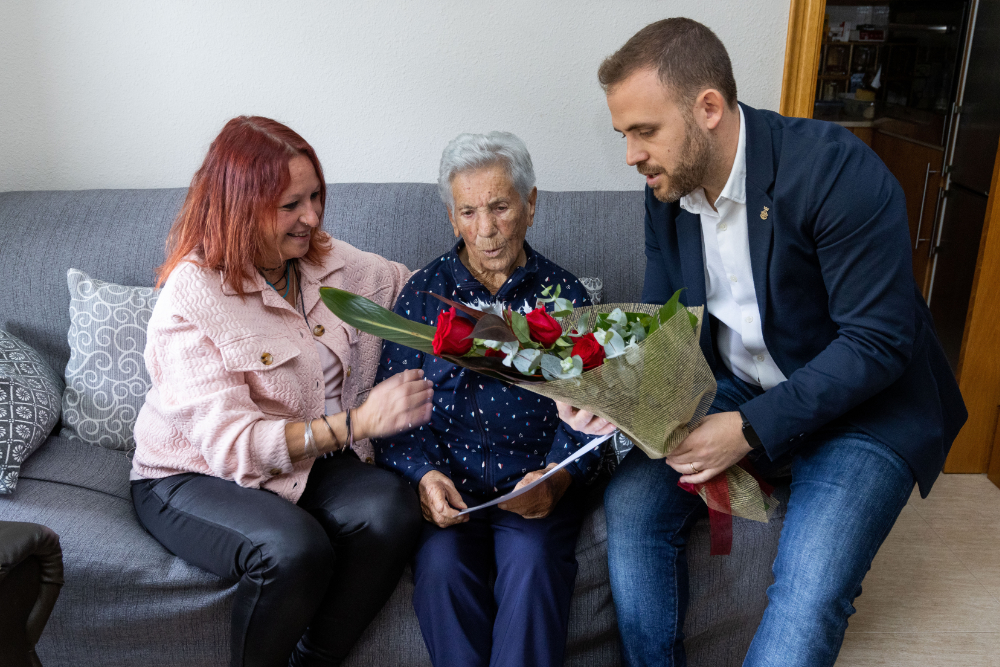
x: 311, y: 449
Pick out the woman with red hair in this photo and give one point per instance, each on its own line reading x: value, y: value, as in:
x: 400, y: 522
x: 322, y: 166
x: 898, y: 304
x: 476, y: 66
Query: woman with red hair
x: 247, y: 448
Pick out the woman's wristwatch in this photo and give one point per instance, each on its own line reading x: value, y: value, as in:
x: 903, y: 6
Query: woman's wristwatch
x: 749, y: 434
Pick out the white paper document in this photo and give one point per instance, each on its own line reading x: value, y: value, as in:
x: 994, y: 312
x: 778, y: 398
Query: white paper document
x: 589, y: 447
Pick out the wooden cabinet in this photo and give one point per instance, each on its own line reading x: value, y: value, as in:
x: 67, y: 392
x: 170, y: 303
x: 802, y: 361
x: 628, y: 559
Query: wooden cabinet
x: 917, y: 167
x: 862, y: 133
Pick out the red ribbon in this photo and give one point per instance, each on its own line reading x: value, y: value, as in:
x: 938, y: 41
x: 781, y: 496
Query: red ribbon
x: 720, y: 521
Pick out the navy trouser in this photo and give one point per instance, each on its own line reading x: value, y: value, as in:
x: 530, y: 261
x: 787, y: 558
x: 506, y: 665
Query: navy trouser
x: 520, y: 621
x: 847, y: 490
x: 311, y: 576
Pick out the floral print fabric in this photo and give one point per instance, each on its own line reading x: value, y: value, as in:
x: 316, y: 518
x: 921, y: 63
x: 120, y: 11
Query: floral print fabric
x: 29, y: 405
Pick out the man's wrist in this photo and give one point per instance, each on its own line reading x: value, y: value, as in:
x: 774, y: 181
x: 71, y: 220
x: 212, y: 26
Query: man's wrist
x: 749, y: 434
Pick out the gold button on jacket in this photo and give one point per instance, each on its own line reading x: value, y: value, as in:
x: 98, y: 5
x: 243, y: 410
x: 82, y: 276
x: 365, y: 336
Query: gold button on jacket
x: 276, y: 471
x: 318, y: 330
x: 266, y: 358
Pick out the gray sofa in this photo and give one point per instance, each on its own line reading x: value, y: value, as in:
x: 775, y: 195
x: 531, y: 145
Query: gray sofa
x: 127, y: 601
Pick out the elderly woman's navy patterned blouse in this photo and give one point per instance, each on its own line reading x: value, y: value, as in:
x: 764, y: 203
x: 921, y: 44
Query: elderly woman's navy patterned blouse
x: 484, y: 434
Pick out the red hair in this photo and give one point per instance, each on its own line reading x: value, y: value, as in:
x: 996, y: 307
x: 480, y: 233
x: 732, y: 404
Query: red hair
x: 232, y: 203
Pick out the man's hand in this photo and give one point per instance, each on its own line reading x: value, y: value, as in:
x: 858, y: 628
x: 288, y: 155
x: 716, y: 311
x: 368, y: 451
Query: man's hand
x: 439, y: 498
x: 583, y: 421
x: 541, y: 500
x: 715, y: 445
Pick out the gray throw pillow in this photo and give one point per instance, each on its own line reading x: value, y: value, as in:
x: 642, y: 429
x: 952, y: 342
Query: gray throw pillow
x: 106, y: 378
x: 29, y: 405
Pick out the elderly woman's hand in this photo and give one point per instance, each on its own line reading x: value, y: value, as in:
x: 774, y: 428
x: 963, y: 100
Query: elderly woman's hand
x: 541, y: 500
x: 399, y: 404
x: 439, y: 499
x: 583, y: 421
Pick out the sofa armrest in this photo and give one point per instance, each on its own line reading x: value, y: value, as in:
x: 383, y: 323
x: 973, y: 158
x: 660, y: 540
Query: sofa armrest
x: 19, y: 541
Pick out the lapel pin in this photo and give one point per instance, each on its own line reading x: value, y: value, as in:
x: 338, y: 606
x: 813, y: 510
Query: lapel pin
x: 763, y: 214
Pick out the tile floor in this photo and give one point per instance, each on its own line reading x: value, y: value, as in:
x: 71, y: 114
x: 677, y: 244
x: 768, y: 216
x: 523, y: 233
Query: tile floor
x: 932, y: 597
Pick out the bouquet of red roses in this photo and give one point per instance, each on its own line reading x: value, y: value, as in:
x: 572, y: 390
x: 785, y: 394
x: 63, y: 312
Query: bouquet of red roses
x: 639, y: 366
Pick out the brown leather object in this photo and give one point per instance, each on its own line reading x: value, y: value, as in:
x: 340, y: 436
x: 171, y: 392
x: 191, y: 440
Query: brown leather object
x: 31, y: 574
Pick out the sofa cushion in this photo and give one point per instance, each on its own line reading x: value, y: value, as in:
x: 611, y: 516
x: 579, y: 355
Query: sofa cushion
x: 106, y: 378
x: 126, y: 601
x: 72, y: 462
x: 135, y: 594
x: 29, y: 405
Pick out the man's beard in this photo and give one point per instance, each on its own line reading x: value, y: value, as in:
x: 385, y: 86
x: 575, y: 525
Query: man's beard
x: 691, y: 169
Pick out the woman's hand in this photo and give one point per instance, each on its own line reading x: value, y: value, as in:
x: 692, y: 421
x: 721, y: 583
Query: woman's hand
x: 439, y: 498
x: 541, y: 500
x: 400, y: 403
x: 583, y: 421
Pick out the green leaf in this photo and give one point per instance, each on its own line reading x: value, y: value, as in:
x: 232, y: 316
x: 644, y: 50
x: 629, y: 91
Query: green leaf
x: 519, y: 324
x: 492, y: 327
x: 528, y: 361
x: 671, y: 308
x: 562, y: 307
x: 368, y: 316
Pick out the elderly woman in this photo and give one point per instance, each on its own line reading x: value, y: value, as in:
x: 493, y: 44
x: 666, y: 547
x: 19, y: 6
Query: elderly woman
x: 487, y: 438
x: 254, y: 380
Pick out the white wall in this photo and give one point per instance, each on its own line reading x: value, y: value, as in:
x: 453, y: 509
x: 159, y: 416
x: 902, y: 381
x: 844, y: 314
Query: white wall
x: 129, y: 93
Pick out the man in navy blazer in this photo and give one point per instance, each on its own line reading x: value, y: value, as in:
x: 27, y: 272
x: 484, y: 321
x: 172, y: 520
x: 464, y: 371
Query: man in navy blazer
x: 794, y: 236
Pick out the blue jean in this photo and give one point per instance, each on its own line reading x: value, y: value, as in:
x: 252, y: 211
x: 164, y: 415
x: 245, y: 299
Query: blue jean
x: 523, y: 618
x: 847, y: 490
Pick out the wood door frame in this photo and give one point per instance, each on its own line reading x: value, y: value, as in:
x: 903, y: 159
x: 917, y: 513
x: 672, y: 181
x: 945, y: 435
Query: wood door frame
x: 979, y: 362
x: 802, y: 51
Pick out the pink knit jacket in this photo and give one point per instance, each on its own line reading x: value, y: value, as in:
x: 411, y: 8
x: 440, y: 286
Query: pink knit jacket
x: 228, y: 373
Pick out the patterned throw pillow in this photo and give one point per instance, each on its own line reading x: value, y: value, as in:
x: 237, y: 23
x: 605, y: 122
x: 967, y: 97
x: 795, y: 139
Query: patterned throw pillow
x: 29, y: 405
x: 594, y: 287
x: 614, y: 451
x: 106, y: 378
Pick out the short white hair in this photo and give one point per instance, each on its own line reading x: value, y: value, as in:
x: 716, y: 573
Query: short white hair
x: 468, y: 152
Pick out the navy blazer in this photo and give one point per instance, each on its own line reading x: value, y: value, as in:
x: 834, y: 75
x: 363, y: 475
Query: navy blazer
x: 841, y: 313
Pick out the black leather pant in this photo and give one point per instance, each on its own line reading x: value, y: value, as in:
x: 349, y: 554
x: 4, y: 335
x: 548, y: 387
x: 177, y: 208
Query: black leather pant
x: 312, y: 575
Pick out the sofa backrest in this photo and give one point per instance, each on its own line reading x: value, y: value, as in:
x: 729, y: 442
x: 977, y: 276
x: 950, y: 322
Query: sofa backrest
x: 120, y: 236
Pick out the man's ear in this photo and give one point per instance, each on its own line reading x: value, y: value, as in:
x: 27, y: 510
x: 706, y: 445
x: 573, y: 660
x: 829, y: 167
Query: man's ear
x: 709, y: 107
x: 532, y: 198
x: 451, y: 219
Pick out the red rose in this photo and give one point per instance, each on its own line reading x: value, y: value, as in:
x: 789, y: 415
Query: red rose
x: 494, y: 353
x: 543, y: 327
x: 451, y: 336
x: 589, y: 350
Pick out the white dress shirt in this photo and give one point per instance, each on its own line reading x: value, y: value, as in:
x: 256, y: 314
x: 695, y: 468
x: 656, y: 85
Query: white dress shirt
x: 729, y: 289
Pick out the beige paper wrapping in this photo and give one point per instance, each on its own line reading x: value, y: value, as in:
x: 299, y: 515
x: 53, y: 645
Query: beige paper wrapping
x: 656, y: 393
